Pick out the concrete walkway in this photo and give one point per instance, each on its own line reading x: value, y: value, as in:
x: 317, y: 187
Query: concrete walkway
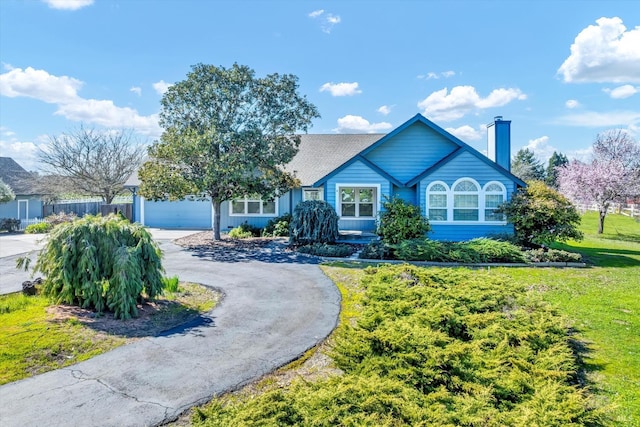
x: 276, y: 306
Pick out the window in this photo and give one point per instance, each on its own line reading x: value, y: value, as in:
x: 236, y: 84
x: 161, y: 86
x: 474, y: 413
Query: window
x: 437, y: 202
x: 253, y: 206
x: 357, y: 202
x: 312, y: 194
x: 465, y: 201
x: 494, y: 194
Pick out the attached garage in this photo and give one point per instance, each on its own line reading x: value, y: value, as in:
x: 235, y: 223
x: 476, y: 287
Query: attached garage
x: 191, y: 214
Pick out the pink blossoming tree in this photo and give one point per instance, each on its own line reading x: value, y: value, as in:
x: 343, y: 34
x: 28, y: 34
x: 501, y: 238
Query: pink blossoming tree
x: 612, y: 176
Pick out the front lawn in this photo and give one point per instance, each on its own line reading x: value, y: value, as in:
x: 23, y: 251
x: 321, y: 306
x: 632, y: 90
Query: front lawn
x: 37, y: 336
x: 604, y: 303
x: 408, y: 355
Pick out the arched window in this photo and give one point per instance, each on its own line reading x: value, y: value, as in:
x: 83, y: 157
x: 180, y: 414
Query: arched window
x: 494, y: 196
x: 437, y: 201
x: 465, y: 200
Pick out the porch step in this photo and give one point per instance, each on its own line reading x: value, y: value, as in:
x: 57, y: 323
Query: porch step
x: 356, y: 237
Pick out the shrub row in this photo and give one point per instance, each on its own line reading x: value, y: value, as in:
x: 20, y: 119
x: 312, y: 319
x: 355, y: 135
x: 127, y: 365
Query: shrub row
x: 50, y: 222
x: 435, y: 347
x: 327, y: 250
x: 480, y: 250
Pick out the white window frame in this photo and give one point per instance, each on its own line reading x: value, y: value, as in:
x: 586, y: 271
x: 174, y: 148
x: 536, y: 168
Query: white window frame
x: 319, y: 190
x: 446, y: 193
x: 455, y: 193
x: 503, y: 193
x: 246, y: 201
x: 376, y: 200
x: 481, y: 202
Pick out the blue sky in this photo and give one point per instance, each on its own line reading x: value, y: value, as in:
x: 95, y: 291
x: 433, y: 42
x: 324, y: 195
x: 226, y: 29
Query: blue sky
x: 561, y: 71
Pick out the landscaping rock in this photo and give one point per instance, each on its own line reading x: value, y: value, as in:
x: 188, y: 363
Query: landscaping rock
x: 29, y: 288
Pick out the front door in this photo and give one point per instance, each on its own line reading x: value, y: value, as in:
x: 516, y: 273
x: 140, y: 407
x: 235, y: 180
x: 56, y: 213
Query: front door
x: 23, y: 209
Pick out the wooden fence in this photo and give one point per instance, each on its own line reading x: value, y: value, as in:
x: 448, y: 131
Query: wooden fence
x: 89, y: 208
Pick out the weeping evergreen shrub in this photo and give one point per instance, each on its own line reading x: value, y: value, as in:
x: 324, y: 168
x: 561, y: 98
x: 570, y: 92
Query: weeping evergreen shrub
x: 314, y: 221
x: 101, y: 263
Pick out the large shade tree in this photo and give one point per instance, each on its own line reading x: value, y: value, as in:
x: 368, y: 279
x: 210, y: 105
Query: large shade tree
x: 227, y: 134
x: 612, y: 176
x: 90, y: 162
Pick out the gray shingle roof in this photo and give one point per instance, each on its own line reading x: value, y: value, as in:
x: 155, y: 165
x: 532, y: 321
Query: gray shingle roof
x: 20, y: 181
x: 321, y: 154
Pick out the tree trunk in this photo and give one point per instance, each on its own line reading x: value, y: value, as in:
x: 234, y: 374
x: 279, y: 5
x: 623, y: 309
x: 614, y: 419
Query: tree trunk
x: 603, y: 213
x: 216, y: 219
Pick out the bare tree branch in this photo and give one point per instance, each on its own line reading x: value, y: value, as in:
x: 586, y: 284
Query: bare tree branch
x: 95, y: 163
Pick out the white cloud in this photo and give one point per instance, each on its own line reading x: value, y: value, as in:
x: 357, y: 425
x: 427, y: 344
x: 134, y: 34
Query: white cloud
x: 571, y: 104
x: 357, y: 124
x: 341, y: 89
x: 467, y: 133
x: 384, y: 110
x: 604, y: 53
x: 161, y: 87
x: 432, y: 75
x: 137, y: 90
x: 541, y: 148
x: 327, y: 20
x: 445, y: 106
x: 23, y: 152
x: 68, y: 4
x: 622, y: 92
x: 596, y: 119
x: 105, y: 113
x: 39, y: 84
x: 63, y: 92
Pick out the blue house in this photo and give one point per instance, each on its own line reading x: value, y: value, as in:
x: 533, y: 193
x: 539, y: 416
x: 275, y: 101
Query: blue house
x: 28, y: 202
x: 456, y: 187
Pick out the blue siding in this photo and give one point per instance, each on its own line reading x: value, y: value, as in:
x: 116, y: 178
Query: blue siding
x: 465, y: 165
x: 408, y: 194
x: 356, y: 173
x: 411, y: 152
x: 10, y: 209
x: 457, y: 233
x: 503, y: 143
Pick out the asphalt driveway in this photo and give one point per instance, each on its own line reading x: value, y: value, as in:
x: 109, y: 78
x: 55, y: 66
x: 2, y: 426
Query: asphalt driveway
x: 276, y: 306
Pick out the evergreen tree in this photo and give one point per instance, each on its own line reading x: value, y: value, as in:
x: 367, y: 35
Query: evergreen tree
x: 555, y: 161
x: 526, y: 166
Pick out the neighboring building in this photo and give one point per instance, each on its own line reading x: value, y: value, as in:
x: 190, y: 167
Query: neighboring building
x: 28, y: 203
x: 456, y: 186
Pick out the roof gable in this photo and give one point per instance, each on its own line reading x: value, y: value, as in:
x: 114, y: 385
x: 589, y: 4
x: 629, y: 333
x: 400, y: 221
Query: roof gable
x: 14, y: 175
x: 407, y: 153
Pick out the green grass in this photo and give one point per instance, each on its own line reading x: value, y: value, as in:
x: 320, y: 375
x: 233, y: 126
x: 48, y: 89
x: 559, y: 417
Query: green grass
x: 603, y: 302
x: 32, y: 343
